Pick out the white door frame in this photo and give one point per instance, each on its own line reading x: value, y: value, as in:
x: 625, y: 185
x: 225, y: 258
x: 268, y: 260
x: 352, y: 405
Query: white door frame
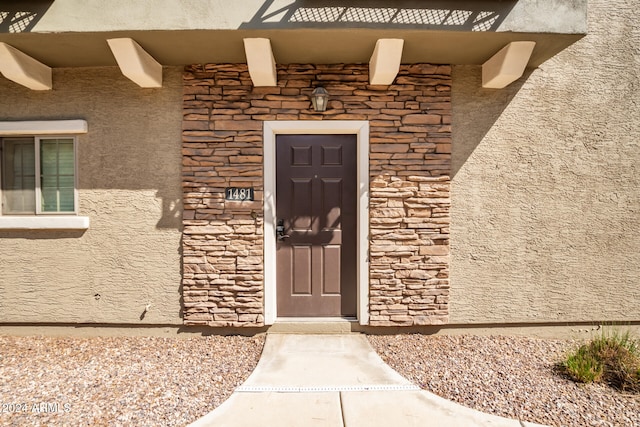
x: 359, y: 128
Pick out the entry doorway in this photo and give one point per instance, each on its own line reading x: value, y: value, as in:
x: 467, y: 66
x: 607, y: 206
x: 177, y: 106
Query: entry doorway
x: 348, y: 128
x: 316, y: 223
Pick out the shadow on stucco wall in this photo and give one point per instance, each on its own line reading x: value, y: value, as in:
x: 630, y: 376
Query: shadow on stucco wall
x: 475, y: 112
x: 21, y: 16
x: 171, y: 210
x: 41, y: 234
x: 128, y: 169
x: 447, y: 15
x: 129, y: 161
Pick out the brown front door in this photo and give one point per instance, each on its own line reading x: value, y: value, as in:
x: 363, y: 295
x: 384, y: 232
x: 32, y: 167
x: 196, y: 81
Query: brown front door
x: 316, y: 207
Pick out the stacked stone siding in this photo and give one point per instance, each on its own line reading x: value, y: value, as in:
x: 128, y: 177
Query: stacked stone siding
x: 410, y: 146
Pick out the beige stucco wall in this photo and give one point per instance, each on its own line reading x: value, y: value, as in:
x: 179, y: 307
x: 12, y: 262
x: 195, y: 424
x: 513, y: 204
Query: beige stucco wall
x: 121, y: 15
x: 129, y: 186
x: 546, y: 185
x: 545, y: 193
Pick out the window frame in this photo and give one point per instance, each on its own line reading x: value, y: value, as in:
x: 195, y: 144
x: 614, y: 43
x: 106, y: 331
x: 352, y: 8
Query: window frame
x: 9, y: 146
x: 39, y: 203
x: 39, y: 200
x: 43, y: 130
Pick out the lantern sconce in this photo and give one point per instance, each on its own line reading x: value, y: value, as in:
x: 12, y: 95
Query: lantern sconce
x: 320, y: 99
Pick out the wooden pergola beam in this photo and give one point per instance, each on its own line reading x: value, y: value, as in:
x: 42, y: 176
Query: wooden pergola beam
x: 23, y: 69
x: 261, y: 63
x: 507, y: 65
x: 385, y: 61
x: 135, y: 63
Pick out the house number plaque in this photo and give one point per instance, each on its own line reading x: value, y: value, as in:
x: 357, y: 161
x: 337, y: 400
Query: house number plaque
x: 238, y: 194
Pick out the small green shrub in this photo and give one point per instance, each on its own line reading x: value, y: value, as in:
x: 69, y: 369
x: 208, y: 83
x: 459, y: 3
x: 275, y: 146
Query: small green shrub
x: 583, y: 367
x: 612, y: 358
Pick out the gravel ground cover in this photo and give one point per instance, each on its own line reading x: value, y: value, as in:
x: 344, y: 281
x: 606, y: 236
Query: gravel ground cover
x: 507, y: 376
x: 131, y: 381
x: 123, y: 381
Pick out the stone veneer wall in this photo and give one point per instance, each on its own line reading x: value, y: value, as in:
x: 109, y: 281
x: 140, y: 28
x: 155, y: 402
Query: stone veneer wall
x: 410, y: 155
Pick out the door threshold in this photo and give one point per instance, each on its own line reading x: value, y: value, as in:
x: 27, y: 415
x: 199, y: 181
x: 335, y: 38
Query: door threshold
x: 316, y: 319
x: 314, y: 325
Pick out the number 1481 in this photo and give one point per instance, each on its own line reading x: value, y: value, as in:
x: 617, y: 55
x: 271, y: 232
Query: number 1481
x: 234, y: 193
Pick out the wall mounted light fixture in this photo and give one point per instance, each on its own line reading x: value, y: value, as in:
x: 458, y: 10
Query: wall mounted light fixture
x: 320, y: 98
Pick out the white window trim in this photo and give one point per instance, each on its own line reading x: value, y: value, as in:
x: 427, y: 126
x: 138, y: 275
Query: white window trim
x: 361, y: 130
x: 48, y: 221
x: 43, y: 127
x: 44, y: 222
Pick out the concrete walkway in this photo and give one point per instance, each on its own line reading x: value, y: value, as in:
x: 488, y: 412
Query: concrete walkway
x: 335, y: 381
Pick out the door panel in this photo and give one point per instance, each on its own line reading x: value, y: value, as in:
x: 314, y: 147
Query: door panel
x: 331, y: 269
x: 316, y: 200
x: 301, y: 267
x: 301, y: 203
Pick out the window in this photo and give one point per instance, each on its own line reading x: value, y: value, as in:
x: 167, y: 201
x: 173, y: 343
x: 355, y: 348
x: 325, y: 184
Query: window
x: 38, y: 175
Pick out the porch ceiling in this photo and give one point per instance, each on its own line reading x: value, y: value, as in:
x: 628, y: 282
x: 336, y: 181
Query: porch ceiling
x: 324, y: 46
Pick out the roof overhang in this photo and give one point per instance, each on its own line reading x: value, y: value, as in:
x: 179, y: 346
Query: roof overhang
x: 73, y: 33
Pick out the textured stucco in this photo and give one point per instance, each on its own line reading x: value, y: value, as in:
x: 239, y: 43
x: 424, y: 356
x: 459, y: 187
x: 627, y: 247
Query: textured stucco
x: 129, y: 186
x: 545, y: 192
x: 545, y: 222
x: 544, y: 16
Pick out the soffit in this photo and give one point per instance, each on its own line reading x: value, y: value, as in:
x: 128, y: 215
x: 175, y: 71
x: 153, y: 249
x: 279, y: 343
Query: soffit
x: 321, y: 46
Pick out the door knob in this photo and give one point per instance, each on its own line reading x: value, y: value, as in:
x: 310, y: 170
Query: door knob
x: 280, y: 230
